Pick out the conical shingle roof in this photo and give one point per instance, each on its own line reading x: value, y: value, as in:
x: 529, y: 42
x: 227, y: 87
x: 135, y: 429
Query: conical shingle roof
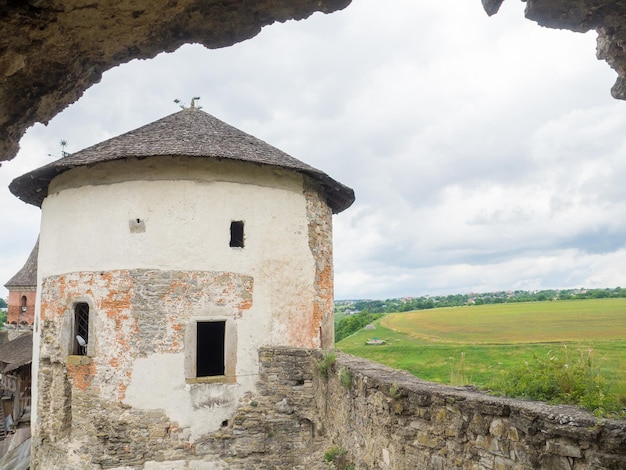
x: 27, y: 276
x: 189, y: 132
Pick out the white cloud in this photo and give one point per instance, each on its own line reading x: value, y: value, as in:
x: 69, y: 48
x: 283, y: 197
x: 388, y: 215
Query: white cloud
x: 486, y: 153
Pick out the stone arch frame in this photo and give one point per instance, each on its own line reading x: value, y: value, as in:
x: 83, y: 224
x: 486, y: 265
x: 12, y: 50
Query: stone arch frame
x: 52, y: 54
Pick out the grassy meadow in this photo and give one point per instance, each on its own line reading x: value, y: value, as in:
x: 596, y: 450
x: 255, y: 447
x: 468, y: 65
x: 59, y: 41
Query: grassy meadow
x: 476, y: 344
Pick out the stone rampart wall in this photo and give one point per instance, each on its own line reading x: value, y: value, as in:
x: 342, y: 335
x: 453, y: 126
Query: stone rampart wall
x: 388, y: 419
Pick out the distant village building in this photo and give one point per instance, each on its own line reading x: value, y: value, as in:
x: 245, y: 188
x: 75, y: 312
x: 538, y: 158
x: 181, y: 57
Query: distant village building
x: 16, y: 352
x: 22, y: 292
x: 167, y: 257
x: 15, y: 361
x: 15, y: 401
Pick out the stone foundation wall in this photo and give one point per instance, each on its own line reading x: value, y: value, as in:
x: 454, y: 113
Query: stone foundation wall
x: 383, y: 418
x: 272, y: 426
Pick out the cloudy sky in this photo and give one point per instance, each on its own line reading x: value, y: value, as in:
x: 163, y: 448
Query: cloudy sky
x: 485, y: 153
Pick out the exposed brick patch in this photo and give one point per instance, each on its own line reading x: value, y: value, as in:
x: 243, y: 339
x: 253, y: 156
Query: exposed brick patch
x: 319, y: 217
x: 16, y: 314
x: 81, y: 374
x: 135, y: 313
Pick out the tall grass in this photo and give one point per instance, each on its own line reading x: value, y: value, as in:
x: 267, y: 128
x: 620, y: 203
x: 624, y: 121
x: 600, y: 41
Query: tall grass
x: 458, y: 371
x: 564, y: 376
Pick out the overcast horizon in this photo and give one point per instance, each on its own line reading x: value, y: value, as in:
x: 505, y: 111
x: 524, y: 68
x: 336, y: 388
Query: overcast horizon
x: 486, y: 153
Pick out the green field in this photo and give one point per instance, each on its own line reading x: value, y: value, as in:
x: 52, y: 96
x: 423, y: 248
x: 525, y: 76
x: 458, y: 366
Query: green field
x: 476, y: 344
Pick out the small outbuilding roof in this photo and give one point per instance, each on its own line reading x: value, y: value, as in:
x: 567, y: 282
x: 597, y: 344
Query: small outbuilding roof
x: 27, y: 276
x: 16, y: 353
x: 191, y: 133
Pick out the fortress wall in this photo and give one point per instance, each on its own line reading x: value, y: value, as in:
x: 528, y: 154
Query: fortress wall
x: 383, y: 418
x: 391, y: 420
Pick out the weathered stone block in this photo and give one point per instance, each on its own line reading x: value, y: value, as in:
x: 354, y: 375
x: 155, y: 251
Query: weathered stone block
x: 564, y: 448
x: 427, y: 440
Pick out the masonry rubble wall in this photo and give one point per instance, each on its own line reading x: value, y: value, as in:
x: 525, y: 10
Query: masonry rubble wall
x: 272, y: 427
x: 388, y: 419
x: 383, y: 418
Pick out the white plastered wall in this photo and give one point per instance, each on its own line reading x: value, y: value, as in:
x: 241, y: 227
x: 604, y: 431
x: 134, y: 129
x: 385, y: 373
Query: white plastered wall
x: 175, y: 214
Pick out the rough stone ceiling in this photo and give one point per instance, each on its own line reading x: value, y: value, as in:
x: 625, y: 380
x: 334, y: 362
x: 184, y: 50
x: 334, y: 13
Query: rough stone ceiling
x: 51, y: 51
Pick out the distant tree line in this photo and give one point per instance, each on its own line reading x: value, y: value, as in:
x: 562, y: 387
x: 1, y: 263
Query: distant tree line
x: 3, y: 312
x: 406, y: 304
x: 352, y: 315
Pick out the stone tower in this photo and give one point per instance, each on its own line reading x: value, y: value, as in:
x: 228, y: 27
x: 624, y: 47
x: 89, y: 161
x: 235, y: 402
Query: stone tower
x: 167, y: 257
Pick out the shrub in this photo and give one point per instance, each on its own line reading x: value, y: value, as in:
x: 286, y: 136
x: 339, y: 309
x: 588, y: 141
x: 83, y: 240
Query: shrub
x: 345, y: 377
x: 337, y: 458
x: 569, y: 377
x: 325, y: 364
x: 353, y: 323
x: 394, y: 391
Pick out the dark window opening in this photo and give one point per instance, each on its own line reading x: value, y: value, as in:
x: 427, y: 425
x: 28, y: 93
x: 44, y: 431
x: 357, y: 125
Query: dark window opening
x: 210, y: 348
x: 236, y: 234
x: 24, y: 303
x: 81, y: 328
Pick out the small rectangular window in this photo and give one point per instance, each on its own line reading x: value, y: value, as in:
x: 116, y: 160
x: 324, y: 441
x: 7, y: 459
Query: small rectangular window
x: 236, y: 234
x: 210, y: 348
x: 81, y: 328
